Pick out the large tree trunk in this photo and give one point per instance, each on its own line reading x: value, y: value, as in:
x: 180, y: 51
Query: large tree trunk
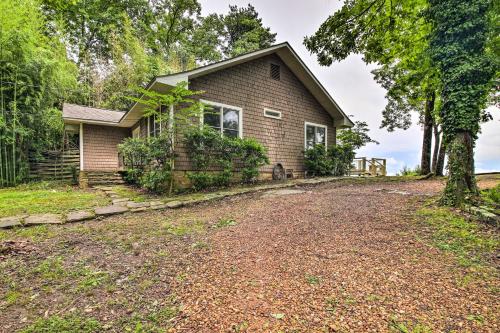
x: 437, y: 145
x: 461, y: 181
x: 425, y: 163
x: 440, y: 161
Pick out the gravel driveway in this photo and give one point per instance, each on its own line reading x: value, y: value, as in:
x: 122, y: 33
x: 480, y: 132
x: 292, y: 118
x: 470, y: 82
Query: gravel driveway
x: 331, y: 258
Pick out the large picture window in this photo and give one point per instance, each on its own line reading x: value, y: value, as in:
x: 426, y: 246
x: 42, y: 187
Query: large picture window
x: 315, y: 134
x: 224, y: 118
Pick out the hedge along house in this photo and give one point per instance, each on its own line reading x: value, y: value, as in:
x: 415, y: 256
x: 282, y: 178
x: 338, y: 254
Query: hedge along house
x: 268, y: 94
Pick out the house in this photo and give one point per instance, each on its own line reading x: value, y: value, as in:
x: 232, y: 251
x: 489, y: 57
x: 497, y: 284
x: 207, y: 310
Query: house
x: 268, y: 94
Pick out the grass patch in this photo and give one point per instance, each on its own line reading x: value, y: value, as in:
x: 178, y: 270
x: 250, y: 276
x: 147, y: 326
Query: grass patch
x: 185, y: 228
x: 67, y: 324
x: 312, y: 279
x: 464, y: 238
x: 222, y: 223
x: 34, y: 233
x: 132, y: 193
x: 47, y: 197
x: 407, y: 327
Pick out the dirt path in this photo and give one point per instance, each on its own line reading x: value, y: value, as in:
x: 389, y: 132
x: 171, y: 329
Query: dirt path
x: 330, y: 258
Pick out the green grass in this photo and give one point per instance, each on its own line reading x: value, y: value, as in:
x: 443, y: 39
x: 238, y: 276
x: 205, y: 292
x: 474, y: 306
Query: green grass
x: 35, y: 233
x: 47, y: 197
x: 464, y: 238
x: 184, y: 228
x: 407, y: 327
x: 132, y: 193
x: 67, y: 324
x: 492, y: 195
x: 222, y: 223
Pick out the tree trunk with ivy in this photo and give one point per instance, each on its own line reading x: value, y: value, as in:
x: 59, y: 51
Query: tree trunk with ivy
x: 461, y: 180
x: 460, y: 33
x: 425, y: 162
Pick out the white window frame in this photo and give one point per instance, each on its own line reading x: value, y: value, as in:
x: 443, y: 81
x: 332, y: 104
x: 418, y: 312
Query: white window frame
x: 270, y: 116
x: 314, y: 125
x: 221, y: 118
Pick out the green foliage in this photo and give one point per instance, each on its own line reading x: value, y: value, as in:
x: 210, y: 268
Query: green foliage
x: 156, y: 180
x: 492, y: 195
x: 68, y: 324
x: 407, y: 171
x: 341, y: 157
x: 253, y: 155
x: 222, y: 223
x: 35, y: 76
x: 215, y: 156
x: 316, y: 161
x: 398, y: 326
x: 356, y: 136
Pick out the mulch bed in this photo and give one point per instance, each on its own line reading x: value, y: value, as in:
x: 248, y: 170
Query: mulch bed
x: 335, y: 258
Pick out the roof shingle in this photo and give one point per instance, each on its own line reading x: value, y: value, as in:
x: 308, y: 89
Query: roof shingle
x: 73, y: 111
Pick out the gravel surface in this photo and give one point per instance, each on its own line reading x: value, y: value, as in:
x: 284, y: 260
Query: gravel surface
x: 336, y: 257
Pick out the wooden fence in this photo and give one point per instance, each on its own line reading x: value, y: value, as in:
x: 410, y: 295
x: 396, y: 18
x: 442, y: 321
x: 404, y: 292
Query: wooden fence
x: 55, y: 164
x: 363, y: 166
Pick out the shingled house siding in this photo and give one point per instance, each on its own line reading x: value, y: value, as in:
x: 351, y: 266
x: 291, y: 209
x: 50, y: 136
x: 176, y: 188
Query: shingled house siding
x: 100, y: 152
x: 250, y: 87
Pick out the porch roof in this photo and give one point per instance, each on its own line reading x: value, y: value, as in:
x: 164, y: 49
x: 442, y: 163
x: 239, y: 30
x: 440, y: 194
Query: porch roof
x: 73, y: 113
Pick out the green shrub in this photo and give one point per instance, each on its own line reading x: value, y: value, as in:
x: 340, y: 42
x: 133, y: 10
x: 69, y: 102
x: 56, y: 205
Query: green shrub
x: 317, y: 162
x: 200, y: 180
x: 492, y: 195
x: 253, y: 155
x: 148, y: 162
x: 341, y: 157
x: 336, y: 161
x: 407, y: 171
x: 209, y: 150
x: 156, y: 180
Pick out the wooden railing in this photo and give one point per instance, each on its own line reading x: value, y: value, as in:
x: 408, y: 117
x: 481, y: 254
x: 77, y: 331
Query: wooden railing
x: 363, y: 166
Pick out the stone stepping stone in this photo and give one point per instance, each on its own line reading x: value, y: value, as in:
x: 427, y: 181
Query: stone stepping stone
x: 44, y: 219
x: 12, y: 221
x: 174, y: 204
x: 111, y: 210
x: 80, y: 215
x: 274, y: 193
x: 132, y: 204
x: 119, y: 200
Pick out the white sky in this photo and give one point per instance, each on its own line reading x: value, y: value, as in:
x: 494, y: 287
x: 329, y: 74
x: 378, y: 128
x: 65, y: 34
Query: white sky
x: 351, y: 84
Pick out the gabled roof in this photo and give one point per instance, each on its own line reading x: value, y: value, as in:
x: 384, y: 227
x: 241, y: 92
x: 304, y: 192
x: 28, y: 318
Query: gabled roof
x: 164, y: 82
x: 78, y: 113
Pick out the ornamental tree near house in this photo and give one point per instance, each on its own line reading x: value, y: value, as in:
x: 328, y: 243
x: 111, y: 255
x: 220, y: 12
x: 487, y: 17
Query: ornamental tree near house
x: 174, y: 112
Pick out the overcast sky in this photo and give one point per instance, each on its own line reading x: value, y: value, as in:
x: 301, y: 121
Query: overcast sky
x: 351, y: 84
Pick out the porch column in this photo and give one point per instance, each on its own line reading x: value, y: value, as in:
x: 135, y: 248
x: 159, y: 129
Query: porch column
x: 81, y: 146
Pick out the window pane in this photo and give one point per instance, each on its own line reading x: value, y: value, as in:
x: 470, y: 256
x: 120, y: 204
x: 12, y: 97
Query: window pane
x: 231, y: 119
x: 309, y: 144
x: 310, y: 133
x: 231, y: 133
x: 320, y: 135
x: 212, y: 117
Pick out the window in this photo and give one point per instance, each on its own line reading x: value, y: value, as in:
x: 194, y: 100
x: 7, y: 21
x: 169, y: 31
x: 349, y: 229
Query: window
x: 153, y: 126
x: 272, y: 114
x: 224, y: 118
x: 315, y: 134
x: 275, y: 72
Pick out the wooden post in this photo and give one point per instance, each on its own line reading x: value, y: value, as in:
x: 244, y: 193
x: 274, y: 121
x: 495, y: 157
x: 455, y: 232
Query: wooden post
x: 364, y: 165
x: 384, y: 168
x: 373, y: 167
